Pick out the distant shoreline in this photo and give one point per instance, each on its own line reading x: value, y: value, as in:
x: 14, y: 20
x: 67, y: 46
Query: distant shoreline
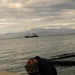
x: 40, y: 36
x: 60, y: 34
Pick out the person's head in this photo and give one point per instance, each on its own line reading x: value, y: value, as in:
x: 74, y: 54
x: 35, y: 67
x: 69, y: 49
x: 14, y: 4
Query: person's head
x: 31, y: 66
x: 40, y: 66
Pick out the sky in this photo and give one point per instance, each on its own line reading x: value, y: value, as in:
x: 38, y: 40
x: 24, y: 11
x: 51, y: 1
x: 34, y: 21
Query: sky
x: 23, y: 15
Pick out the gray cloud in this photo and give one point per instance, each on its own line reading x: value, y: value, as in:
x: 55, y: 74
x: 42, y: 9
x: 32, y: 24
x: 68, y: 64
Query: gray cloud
x: 37, y: 13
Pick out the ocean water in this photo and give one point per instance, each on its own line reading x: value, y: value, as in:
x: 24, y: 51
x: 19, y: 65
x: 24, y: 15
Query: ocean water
x: 15, y: 52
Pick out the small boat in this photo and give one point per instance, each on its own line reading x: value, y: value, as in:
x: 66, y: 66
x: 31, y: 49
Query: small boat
x: 30, y: 36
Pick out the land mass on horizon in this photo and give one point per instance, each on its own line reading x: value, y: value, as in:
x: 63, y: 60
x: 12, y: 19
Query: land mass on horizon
x: 40, y: 32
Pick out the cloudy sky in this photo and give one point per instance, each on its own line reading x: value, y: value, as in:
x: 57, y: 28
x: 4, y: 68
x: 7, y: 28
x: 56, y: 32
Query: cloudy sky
x: 22, y: 15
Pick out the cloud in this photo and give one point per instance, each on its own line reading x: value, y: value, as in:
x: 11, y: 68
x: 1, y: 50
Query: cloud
x: 34, y: 20
x: 20, y: 15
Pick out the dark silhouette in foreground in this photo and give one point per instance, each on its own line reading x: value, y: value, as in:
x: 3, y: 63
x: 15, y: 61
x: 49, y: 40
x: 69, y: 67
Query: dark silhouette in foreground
x: 67, y: 59
x: 40, y: 66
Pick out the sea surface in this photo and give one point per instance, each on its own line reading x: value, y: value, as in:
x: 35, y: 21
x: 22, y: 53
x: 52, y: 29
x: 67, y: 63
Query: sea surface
x: 16, y: 51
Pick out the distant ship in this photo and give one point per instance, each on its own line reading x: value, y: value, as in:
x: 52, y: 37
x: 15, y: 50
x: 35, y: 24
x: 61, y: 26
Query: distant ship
x: 31, y: 36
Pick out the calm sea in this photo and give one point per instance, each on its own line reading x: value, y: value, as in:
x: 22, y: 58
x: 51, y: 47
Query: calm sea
x: 15, y: 52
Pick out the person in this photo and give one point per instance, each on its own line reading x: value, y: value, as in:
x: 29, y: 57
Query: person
x: 40, y: 66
